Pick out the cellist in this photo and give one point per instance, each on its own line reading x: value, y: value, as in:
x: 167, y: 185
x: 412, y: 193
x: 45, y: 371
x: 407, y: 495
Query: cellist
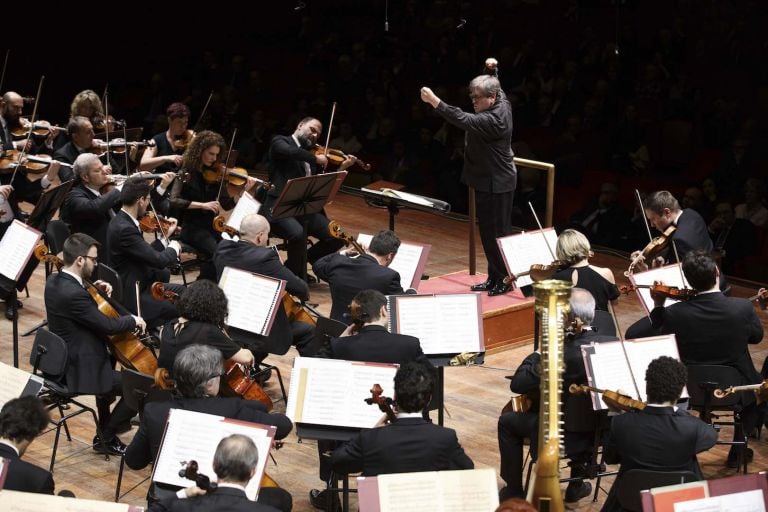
x: 74, y: 316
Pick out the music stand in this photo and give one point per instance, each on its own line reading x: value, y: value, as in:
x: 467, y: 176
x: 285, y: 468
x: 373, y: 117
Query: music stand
x: 305, y: 196
x: 50, y: 200
x: 395, y: 204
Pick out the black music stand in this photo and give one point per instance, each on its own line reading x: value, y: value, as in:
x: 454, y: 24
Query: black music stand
x: 50, y: 200
x: 395, y: 204
x: 305, y: 196
x: 440, y: 361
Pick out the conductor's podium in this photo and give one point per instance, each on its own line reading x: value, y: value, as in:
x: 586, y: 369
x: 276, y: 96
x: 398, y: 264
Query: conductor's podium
x: 507, y: 319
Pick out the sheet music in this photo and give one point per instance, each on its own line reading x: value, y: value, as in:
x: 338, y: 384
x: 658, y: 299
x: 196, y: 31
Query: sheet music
x: 15, y: 501
x: 332, y: 392
x: 14, y: 382
x: 444, y: 324
x: 747, y: 501
x: 670, y: 275
x: 522, y: 250
x: 411, y: 198
x: 245, y: 206
x: 16, y: 247
x: 409, y: 261
x: 472, y: 490
x: 193, y: 435
x: 252, y: 299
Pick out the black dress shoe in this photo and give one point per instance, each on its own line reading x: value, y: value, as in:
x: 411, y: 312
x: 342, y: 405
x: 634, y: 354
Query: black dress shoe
x: 11, y: 308
x: 484, y: 286
x: 499, y: 289
x: 112, y: 447
x: 311, y: 279
x: 319, y: 500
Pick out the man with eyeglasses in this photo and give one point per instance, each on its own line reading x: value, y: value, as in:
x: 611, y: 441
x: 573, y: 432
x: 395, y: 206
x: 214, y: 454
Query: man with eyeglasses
x: 74, y: 316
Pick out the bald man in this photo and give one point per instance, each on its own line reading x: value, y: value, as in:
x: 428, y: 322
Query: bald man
x: 251, y: 253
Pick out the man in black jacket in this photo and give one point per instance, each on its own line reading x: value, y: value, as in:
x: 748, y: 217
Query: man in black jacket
x: 80, y: 131
x: 488, y: 164
x: 21, y: 421
x: 347, y: 275
x: 252, y: 254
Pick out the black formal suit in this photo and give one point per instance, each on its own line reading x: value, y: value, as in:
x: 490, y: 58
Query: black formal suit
x: 23, y: 476
x: 89, y: 213
x: 146, y: 443
x: 224, y: 498
x: 135, y: 260
x: 347, y: 276
x: 245, y: 255
x: 5, y: 134
x: 405, y: 446
x: 658, y: 439
x: 691, y: 234
x: 67, y: 153
x: 375, y: 344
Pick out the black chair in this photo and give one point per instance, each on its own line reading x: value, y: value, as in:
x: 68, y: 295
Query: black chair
x: 702, y: 381
x: 108, y: 274
x: 56, y: 233
x: 636, y: 480
x: 138, y: 389
x: 49, y: 355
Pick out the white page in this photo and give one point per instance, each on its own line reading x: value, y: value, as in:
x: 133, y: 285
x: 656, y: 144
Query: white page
x: 406, y: 261
x: 644, y: 350
x: 15, y: 501
x: 195, y: 435
x: 332, y: 392
x: 16, y: 247
x: 245, y: 206
x: 444, y: 324
x: 14, y: 381
x: 251, y: 299
x: 522, y: 250
x: 670, y: 275
x: 472, y: 490
x: 412, y: 198
x: 747, y: 501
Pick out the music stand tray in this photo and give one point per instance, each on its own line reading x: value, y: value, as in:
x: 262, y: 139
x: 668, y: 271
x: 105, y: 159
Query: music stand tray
x: 50, y: 201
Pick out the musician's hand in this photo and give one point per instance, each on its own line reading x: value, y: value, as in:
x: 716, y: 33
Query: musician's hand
x: 194, y: 491
x: 212, y: 206
x: 348, y: 162
x: 658, y: 299
x: 52, y: 134
x: 5, y: 190
x: 427, y: 96
x: 641, y: 265
x: 104, y: 286
x: 174, y: 224
x: 351, y: 330
x: 167, y: 179
x: 141, y: 325
x: 24, y: 144
x: 53, y: 170
x: 176, y: 246
x: 321, y: 160
x: 174, y: 159
x: 383, y: 421
x: 251, y: 183
x: 107, y: 169
x: 350, y: 251
x: 658, y: 261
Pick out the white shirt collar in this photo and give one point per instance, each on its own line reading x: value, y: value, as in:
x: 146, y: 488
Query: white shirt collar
x: 409, y: 415
x: 677, y: 218
x: 79, y: 279
x: 674, y: 407
x: 296, y: 140
x: 136, y: 222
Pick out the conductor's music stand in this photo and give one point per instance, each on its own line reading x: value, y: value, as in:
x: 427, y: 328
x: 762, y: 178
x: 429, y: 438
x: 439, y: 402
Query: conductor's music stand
x: 305, y: 196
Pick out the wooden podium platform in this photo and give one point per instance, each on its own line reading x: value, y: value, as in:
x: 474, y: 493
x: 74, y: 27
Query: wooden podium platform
x: 507, y: 319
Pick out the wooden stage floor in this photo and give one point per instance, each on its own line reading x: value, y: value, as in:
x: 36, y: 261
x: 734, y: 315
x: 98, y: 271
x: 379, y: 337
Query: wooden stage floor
x: 474, y: 396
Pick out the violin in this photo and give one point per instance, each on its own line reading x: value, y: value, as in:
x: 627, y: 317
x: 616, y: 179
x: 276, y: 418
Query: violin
x: 539, y: 272
x: 336, y: 156
x: 661, y: 290
x: 151, y: 223
x: 159, y: 292
x: 236, y: 176
x: 220, y: 225
x: 32, y: 164
x: 653, y: 249
x: 760, y: 390
x: 384, y: 402
x: 183, y: 140
x: 39, y: 128
x: 335, y: 229
x: 612, y: 399
x: 295, y: 310
x: 190, y: 471
x: 117, y: 146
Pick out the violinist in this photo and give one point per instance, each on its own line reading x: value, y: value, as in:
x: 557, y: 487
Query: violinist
x: 574, y: 248
x: 578, y: 415
x: 197, y: 371
x: 80, y: 131
x: 290, y: 157
x: 659, y: 437
x: 11, y: 108
x: 166, y: 154
x: 252, y: 254
x: 17, y: 187
x: 75, y: 317
x: 711, y: 328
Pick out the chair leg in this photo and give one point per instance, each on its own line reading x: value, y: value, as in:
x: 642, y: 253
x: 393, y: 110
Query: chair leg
x: 119, y: 479
x: 64, y: 421
x: 280, y: 381
x: 55, y: 447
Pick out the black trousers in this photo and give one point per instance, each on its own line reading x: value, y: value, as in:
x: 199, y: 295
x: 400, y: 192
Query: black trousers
x: 205, y: 242
x: 494, y: 216
x: 291, y: 229
x: 109, y: 421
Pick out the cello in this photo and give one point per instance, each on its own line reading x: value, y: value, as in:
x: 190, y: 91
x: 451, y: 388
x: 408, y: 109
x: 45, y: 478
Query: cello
x: 384, y: 402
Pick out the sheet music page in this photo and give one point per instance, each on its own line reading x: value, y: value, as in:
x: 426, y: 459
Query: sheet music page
x: 251, y: 299
x: 610, y: 370
x: 747, y: 501
x: 644, y: 350
x: 194, y: 436
x: 444, y: 324
x: 15, y: 501
x: 14, y: 381
x: 522, y: 250
x: 333, y: 392
x: 246, y: 205
x: 16, y: 247
x: 670, y: 275
x: 472, y: 490
x: 409, y: 259
x: 409, y: 491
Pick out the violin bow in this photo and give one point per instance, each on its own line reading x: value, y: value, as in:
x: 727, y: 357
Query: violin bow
x: 642, y: 212
x: 5, y: 65
x: 106, y: 121
x: 202, y: 113
x: 330, y: 128
x: 29, y: 134
x: 125, y: 139
x: 541, y: 230
x: 226, y: 162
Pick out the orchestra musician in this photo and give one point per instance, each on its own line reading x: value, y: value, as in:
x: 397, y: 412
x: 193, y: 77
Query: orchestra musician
x: 17, y: 187
x: 197, y: 372
x: 488, y: 164
x: 80, y: 131
x: 202, y: 198
x: 574, y: 248
x: 11, y: 108
x: 87, y: 103
x: 347, y: 272
x: 135, y: 260
x: 202, y: 318
x: 166, y: 155
x: 712, y: 329
x: 75, y: 317
x: 251, y: 253
x: 290, y: 157
x: 580, y: 419
x: 659, y: 437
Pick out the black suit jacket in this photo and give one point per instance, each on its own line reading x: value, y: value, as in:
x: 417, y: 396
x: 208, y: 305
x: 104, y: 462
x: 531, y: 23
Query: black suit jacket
x: 74, y: 316
x: 286, y: 161
x: 134, y: 259
x: 713, y: 329
x: 405, y: 446
x: 67, y: 153
x: 373, y: 343
x: 224, y: 498
x: 23, y: 476
x: 347, y: 276
x: 245, y: 255
x: 691, y: 234
x: 146, y: 443
x: 85, y: 212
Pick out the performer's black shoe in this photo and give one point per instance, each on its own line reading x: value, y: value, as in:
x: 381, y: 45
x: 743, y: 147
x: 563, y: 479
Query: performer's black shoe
x: 484, y: 286
x: 112, y: 447
x: 11, y: 308
x: 499, y: 289
x: 319, y: 500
